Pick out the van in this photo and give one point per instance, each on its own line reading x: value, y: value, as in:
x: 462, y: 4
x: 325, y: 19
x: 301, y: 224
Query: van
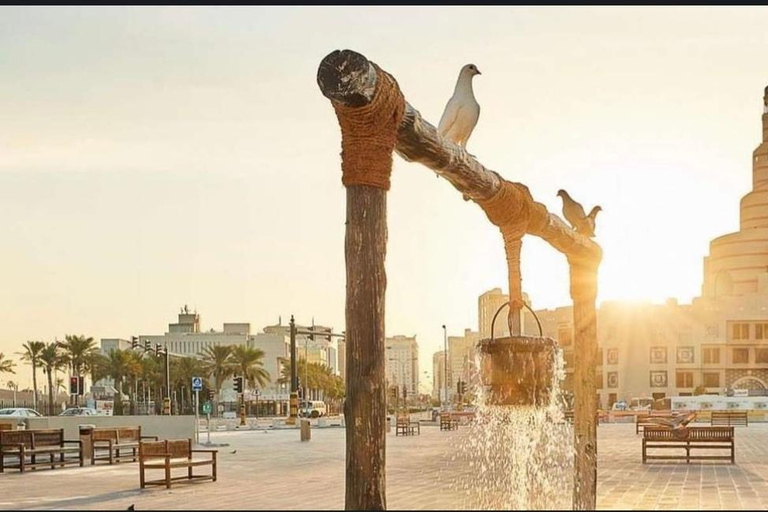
x: 312, y: 409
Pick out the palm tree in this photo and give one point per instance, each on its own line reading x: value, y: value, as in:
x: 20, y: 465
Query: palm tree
x: 78, y: 350
x: 51, y: 360
x: 182, y: 371
x: 31, y: 354
x: 248, y: 362
x: 97, y: 364
x: 122, y: 365
x: 217, y: 363
x: 6, y: 365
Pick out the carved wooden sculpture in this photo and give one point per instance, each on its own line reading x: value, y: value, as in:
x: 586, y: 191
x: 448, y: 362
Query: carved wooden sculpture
x: 375, y: 119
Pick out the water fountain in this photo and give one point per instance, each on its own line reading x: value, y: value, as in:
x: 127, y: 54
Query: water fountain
x: 519, y: 450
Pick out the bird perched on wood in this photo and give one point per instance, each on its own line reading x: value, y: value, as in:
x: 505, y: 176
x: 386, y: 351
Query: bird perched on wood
x: 233, y: 452
x: 462, y: 111
x: 131, y: 507
x: 574, y: 214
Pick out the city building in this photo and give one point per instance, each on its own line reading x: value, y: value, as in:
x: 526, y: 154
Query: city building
x: 490, y: 303
x: 461, y: 358
x: 716, y: 344
x: 438, y: 375
x: 402, y: 364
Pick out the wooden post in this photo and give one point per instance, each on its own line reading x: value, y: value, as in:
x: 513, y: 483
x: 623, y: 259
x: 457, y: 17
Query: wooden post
x: 583, y: 273
x: 369, y: 108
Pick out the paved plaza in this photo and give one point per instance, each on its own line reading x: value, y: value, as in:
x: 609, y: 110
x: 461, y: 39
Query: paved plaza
x: 274, y: 470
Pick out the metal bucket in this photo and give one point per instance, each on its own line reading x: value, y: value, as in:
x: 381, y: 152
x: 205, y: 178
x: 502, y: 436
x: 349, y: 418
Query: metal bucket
x: 518, y: 370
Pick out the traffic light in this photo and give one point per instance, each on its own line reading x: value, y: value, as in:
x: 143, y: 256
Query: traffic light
x: 147, y: 345
x: 74, y: 385
x: 394, y: 392
x: 158, y: 347
x: 239, y: 384
x: 461, y: 387
x: 134, y: 342
x: 210, y: 394
x: 81, y: 385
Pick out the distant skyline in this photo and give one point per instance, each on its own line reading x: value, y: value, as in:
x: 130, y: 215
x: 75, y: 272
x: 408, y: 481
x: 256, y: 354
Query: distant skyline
x: 152, y: 157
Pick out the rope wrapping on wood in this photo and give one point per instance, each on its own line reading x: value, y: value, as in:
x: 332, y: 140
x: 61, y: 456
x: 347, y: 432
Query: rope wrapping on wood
x: 510, y: 210
x: 369, y: 134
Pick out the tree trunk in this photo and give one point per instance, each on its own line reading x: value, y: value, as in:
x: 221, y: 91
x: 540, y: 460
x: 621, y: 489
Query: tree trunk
x: 365, y: 407
x: 584, y: 291
x: 34, y: 383
x: 50, y: 393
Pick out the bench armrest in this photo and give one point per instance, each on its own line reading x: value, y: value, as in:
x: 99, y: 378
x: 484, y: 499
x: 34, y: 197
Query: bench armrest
x: 156, y: 438
x: 204, y: 451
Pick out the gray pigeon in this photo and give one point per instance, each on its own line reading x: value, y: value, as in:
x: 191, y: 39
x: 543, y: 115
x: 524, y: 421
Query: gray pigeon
x: 574, y: 214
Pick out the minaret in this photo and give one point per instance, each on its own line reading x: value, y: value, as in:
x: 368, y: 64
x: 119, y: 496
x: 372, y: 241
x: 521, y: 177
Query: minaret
x: 737, y: 259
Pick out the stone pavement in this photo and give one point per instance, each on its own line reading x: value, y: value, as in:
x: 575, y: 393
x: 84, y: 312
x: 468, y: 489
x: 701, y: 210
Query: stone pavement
x: 274, y: 470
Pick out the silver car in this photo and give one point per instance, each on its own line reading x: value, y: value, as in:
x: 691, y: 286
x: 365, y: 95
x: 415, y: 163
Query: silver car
x: 19, y: 412
x: 79, y: 411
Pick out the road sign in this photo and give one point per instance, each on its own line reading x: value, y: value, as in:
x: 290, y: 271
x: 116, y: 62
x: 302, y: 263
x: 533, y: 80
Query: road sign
x: 197, y: 384
x: 207, y: 408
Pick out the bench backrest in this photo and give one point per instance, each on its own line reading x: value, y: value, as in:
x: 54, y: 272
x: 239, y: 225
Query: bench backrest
x: 688, y: 433
x: 176, y: 448
x: 710, y: 433
x: 729, y: 414
x: 7, y: 425
x: 104, y: 434
x: 180, y: 448
x: 152, y: 449
x: 128, y: 434
x: 445, y: 416
x: 8, y: 437
x: 48, y: 437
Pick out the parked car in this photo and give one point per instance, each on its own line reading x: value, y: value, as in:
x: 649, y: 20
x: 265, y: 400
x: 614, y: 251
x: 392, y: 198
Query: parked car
x: 19, y: 412
x: 312, y: 409
x: 80, y: 411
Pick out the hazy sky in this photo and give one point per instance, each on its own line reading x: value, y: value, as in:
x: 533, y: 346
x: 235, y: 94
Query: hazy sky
x: 157, y: 156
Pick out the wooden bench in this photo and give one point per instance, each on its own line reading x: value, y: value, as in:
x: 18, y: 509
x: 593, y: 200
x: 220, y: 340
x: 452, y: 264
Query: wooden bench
x: 405, y: 427
x: 113, y: 440
x: 729, y: 418
x: 7, y: 425
x: 32, y: 443
x: 689, y: 438
x: 448, y: 422
x: 169, y: 454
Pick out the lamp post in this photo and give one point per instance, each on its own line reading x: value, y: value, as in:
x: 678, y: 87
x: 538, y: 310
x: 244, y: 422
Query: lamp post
x: 445, y: 367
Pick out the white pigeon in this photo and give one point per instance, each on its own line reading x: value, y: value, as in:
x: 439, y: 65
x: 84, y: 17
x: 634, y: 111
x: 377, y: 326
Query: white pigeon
x: 462, y: 111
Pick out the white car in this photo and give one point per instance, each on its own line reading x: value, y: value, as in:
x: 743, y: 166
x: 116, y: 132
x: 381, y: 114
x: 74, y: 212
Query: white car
x: 80, y: 411
x: 19, y: 412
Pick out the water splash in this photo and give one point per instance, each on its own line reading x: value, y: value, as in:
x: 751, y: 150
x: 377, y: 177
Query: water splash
x: 518, y: 457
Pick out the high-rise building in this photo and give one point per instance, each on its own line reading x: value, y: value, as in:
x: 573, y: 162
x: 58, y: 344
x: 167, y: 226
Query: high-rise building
x: 402, y: 363
x: 487, y: 306
x: 438, y: 375
x: 461, y: 358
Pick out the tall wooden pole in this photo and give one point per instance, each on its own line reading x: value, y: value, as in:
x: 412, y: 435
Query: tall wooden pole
x: 369, y: 108
x: 365, y: 247
x: 583, y: 272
